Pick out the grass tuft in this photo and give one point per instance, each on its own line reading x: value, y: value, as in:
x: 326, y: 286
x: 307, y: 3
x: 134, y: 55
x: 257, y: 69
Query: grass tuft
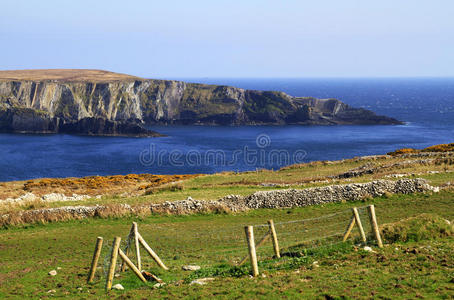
x: 414, y: 229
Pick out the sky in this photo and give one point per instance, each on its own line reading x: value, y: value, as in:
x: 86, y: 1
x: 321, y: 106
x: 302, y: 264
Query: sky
x: 218, y: 38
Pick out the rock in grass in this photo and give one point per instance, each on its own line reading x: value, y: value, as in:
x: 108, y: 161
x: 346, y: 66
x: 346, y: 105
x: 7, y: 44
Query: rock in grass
x: 51, y: 291
x: 52, y: 273
x: 191, y: 268
x: 368, y: 249
x: 202, y: 281
x: 158, y: 285
x: 118, y: 287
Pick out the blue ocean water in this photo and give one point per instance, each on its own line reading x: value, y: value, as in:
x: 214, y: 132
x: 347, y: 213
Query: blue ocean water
x: 427, y: 104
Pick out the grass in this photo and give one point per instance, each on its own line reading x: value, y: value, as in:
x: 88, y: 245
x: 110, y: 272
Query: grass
x: 66, y: 75
x: 146, y: 189
x: 29, y: 252
x: 413, y: 266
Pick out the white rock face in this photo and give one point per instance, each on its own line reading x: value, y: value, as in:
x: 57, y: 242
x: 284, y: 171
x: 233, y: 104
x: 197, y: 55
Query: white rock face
x: 53, y: 273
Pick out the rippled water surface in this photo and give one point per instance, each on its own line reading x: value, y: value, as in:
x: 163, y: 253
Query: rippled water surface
x: 426, y: 104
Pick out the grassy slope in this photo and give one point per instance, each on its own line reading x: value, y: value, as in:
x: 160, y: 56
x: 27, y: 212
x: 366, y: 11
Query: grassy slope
x: 65, y: 75
x: 28, y: 253
x: 213, y: 187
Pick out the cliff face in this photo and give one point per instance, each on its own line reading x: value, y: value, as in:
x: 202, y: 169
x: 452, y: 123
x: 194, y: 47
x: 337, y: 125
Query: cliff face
x: 123, y: 106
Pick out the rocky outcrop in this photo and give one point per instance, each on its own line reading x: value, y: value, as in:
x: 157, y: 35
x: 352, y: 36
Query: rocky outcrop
x: 52, y: 197
x: 124, y: 105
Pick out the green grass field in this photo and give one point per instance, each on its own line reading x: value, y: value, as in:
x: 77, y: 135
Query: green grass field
x: 216, y: 241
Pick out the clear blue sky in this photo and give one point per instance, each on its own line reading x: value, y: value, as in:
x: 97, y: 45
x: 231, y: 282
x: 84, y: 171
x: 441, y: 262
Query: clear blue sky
x: 218, y: 38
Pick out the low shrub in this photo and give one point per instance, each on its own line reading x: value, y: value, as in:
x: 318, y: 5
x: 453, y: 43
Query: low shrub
x: 421, y: 227
x: 440, y: 148
x: 167, y: 188
x: 435, y: 148
x: 403, y: 151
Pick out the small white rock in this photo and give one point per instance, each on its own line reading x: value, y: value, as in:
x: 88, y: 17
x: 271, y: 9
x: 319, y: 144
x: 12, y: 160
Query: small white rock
x: 158, y: 285
x: 118, y: 287
x: 117, y: 275
x: 53, y: 273
x: 201, y: 281
x: 368, y: 249
x: 191, y: 268
x: 51, y: 291
x: 58, y: 268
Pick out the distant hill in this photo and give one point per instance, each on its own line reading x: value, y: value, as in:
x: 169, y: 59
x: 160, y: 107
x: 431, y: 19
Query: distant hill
x: 65, y: 75
x: 98, y: 102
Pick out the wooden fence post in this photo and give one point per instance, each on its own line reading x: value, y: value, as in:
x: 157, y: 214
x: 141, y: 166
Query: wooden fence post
x: 131, y: 265
x: 113, y: 262
x: 274, y: 239
x: 261, y: 242
x: 151, y: 252
x: 94, y: 262
x: 136, y: 243
x: 249, y: 230
x: 358, y: 222
x: 349, y: 228
x: 373, y: 221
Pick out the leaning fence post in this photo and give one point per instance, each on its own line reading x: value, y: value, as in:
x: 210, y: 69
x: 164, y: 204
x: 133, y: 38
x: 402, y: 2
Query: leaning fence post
x: 151, y: 252
x: 94, y: 262
x: 349, y: 228
x: 274, y: 239
x: 131, y: 265
x: 249, y: 230
x: 373, y: 221
x: 261, y: 242
x: 113, y: 262
x: 358, y: 222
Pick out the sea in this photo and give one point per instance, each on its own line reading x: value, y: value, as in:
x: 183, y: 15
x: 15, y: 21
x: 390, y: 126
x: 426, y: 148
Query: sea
x: 426, y: 105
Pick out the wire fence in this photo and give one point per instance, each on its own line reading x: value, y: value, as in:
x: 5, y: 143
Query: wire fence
x: 178, y: 244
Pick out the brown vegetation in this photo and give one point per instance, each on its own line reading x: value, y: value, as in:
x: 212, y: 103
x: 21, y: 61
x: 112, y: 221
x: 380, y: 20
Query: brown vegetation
x: 66, y: 75
x: 435, y: 148
x: 134, y: 184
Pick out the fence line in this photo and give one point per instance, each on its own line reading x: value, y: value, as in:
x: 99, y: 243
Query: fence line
x: 177, y: 246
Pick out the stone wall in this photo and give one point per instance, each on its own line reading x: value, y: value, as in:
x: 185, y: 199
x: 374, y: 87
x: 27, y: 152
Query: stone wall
x: 232, y: 203
x: 334, y: 193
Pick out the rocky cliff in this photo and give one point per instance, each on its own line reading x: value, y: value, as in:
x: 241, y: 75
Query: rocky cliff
x: 103, y: 103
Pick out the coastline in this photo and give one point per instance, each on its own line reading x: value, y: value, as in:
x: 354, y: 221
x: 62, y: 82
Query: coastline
x: 139, y: 194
